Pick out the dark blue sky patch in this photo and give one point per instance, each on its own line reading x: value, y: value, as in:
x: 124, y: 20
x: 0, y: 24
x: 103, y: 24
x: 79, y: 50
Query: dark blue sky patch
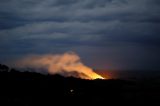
x: 121, y: 33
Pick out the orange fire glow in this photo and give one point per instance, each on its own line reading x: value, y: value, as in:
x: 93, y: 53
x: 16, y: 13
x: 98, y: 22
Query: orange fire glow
x: 96, y: 76
x: 67, y: 64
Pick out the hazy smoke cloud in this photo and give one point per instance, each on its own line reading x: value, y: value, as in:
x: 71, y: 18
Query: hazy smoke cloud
x: 67, y: 64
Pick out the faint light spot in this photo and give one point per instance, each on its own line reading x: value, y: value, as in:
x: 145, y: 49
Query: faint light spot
x: 71, y: 90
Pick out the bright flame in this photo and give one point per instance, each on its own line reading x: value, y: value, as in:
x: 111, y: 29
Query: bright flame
x: 96, y: 76
x: 67, y: 64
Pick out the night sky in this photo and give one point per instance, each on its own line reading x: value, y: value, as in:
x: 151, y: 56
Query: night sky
x: 107, y: 34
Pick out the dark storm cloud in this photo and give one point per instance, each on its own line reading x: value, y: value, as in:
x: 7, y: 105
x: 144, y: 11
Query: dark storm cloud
x: 38, y: 26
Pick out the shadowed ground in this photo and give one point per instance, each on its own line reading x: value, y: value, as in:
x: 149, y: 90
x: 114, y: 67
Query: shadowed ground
x: 33, y: 89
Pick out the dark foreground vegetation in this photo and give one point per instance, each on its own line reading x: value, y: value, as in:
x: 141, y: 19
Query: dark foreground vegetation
x: 33, y: 89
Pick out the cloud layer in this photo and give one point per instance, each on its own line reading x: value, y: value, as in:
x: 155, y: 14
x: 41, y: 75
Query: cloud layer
x: 118, y: 31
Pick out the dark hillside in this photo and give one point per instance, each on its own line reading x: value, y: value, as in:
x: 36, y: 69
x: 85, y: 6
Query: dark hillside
x: 34, y: 89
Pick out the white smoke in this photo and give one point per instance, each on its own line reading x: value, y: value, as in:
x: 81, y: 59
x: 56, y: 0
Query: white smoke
x: 67, y: 64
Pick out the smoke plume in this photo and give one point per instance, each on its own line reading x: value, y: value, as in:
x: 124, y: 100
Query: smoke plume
x: 67, y: 64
